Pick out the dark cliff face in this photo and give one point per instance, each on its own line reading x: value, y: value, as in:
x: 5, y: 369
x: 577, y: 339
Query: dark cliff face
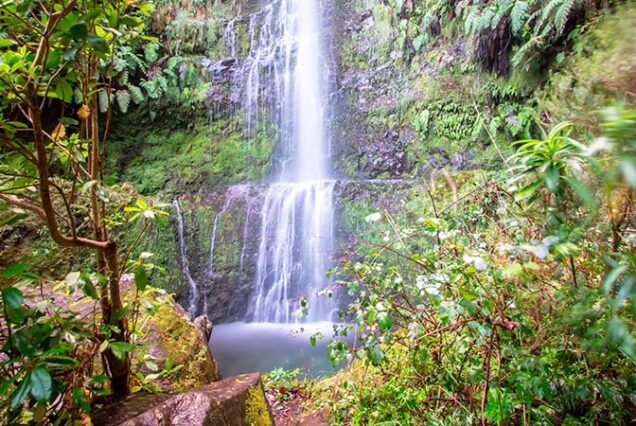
x: 384, y: 87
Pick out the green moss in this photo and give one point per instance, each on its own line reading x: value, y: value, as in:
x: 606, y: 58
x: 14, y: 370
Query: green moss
x: 178, y: 339
x: 601, y: 70
x: 176, y: 159
x: 257, y: 413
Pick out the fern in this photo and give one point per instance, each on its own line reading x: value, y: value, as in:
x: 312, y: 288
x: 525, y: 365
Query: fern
x: 501, y: 9
x: 104, y: 102
x: 470, y: 21
x: 151, y: 52
x: 122, y: 79
x: 524, y: 50
x: 119, y: 63
x: 163, y: 82
x: 546, y: 12
x: 486, y: 19
x: 152, y: 88
x: 562, y: 15
x: 123, y: 100
x: 136, y: 94
x: 518, y: 16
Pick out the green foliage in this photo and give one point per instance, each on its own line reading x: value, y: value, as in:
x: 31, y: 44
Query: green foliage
x: 598, y: 72
x: 552, y: 162
x: 175, y: 159
x: 279, y: 377
x: 469, y: 307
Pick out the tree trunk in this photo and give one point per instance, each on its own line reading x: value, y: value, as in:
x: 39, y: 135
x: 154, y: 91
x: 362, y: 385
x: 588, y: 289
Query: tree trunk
x: 119, y: 368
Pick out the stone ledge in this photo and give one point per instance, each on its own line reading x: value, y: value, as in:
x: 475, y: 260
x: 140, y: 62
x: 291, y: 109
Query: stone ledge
x: 236, y: 401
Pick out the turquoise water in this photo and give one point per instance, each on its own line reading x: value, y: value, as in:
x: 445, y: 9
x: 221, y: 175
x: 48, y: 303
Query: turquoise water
x: 242, y: 347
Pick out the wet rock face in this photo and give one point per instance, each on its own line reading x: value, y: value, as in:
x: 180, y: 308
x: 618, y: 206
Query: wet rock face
x: 237, y: 401
x: 386, y: 155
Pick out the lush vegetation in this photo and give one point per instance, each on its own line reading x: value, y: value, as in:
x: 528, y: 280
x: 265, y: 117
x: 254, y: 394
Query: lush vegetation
x: 503, y: 298
x: 53, y: 158
x: 496, y: 286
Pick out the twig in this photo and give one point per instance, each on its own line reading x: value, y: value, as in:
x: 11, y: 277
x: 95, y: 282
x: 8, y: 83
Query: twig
x: 484, y: 398
x: 488, y: 131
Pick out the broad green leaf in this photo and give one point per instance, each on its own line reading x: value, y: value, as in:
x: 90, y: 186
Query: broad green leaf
x: 79, y: 31
x: 468, y: 295
x: 41, y: 383
x: 21, y: 392
x: 97, y: 43
x: 612, y: 276
x: 384, y: 321
x: 63, y: 91
x: 12, y: 297
x: 141, y: 278
x: 551, y: 178
x: 61, y: 361
x: 582, y: 192
x: 121, y: 348
x: 376, y: 355
x: 15, y: 270
x: 527, y: 190
x: 88, y: 288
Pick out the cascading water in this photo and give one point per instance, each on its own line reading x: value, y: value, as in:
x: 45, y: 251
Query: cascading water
x: 183, y: 257
x: 293, y: 258
x: 282, y: 80
x: 297, y: 215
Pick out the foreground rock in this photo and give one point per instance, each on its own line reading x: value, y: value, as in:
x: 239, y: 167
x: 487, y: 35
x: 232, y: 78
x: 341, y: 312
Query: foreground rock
x: 171, y: 335
x: 237, y: 401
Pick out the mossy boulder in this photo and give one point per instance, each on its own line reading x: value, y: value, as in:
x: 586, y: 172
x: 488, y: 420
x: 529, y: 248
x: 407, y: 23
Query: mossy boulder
x: 237, y: 401
x: 170, y: 334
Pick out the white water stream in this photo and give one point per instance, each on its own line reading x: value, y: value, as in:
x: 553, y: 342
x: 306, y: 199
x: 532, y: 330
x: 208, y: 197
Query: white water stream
x: 183, y: 257
x: 283, y: 82
x: 296, y: 230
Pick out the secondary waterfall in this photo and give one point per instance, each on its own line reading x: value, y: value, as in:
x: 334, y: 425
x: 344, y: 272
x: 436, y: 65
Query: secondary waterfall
x: 296, y: 236
x: 183, y: 258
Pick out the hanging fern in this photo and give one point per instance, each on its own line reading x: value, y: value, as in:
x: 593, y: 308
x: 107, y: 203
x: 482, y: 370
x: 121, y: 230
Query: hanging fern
x: 136, y: 94
x: 123, y: 100
x: 562, y: 15
x: 518, y: 16
x: 523, y: 52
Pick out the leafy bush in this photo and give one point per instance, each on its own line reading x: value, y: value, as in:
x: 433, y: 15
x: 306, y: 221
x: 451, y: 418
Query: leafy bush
x: 483, y: 306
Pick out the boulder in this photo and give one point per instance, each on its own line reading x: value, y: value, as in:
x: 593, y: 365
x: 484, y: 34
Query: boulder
x: 170, y: 334
x: 236, y: 401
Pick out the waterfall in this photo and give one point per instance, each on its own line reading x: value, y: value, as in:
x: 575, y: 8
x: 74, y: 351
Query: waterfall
x: 282, y: 80
x: 232, y: 194
x: 293, y: 256
x: 296, y: 237
x: 183, y: 257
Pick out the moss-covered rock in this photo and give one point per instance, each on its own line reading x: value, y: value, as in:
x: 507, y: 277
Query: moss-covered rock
x: 237, y: 401
x: 170, y: 334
